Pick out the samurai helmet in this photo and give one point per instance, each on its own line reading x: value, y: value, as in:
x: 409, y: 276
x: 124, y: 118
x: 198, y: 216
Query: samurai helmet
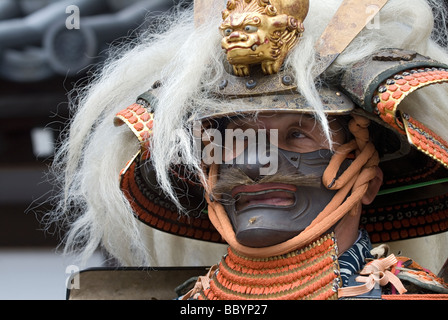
x: 385, y: 94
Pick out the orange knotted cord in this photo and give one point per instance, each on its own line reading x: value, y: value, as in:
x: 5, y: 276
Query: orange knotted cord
x: 354, y: 180
x: 376, y: 272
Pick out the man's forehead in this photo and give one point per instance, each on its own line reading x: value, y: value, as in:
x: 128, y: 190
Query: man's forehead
x: 272, y: 117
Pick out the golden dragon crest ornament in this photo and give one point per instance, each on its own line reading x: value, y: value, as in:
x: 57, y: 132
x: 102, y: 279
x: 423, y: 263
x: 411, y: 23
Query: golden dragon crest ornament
x: 261, y: 32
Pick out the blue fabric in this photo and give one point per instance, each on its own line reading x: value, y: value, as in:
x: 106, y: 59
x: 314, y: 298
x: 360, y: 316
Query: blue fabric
x: 353, y: 260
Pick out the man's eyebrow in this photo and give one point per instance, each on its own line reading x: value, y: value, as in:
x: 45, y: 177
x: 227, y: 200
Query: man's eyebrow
x: 254, y: 118
x: 305, y: 117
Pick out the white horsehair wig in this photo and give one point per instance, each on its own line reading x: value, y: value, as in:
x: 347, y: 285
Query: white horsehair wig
x: 186, y: 59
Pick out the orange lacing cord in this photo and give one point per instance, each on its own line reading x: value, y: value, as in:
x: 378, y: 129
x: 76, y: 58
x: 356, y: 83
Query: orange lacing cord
x: 316, y: 276
x: 355, y: 179
x: 302, y: 289
x: 293, y: 258
x: 239, y: 277
x: 240, y: 270
x: 228, y: 275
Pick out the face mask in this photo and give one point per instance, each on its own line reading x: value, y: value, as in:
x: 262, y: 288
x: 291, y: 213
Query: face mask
x: 271, y: 209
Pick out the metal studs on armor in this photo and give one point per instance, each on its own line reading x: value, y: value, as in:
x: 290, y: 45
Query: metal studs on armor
x: 376, y: 100
x: 382, y: 89
x: 223, y: 84
x: 336, y: 284
x: 390, y: 82
x: 287, y: 80
x: 250, y: 84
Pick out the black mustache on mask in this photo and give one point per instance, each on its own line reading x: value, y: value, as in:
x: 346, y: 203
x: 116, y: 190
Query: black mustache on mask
x: 231, y: 177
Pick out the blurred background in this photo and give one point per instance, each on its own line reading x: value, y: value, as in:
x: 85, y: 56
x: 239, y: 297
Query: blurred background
x: 46, y: 48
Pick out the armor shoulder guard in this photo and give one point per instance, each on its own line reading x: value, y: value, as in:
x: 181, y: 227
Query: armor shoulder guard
x: 394, y: 278
x: 379, y: 84
x: 364, y: 79
x: 417, y: 279
x: 139, y: 117
x: 140, y: 186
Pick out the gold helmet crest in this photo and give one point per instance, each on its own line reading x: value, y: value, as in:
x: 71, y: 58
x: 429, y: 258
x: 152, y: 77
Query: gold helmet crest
x: 261, y: 32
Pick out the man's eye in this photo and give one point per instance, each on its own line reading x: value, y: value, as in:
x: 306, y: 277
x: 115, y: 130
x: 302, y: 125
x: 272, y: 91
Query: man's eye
x: 228, y: 31
x: 250, y: 29
x: 297, y: 135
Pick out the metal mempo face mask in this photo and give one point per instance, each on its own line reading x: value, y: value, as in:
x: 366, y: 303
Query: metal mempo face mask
x: 269, y: 209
